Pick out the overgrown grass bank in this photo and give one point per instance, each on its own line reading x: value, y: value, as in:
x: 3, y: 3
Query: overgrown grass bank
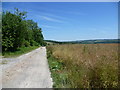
x: 19, y: 51
x: 57, y: 68
x: 84, y: 66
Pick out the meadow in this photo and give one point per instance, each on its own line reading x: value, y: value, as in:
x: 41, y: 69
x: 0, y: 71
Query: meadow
x: 84, y: 65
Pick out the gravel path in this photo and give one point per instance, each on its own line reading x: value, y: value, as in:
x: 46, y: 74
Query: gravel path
x: 30, y: 70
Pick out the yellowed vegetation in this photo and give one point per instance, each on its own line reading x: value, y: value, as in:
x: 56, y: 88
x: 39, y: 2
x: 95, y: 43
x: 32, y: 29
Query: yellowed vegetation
x: 88, y: 65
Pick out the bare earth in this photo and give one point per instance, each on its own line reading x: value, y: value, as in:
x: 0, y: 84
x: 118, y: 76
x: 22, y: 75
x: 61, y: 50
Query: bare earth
x: 30, y: 70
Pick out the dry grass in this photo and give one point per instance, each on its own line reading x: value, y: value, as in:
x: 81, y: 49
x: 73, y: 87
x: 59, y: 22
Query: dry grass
x: 88, y: 65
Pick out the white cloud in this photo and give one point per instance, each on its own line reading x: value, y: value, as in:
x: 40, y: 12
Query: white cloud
x: 51, y: 19
x: 48, y: 26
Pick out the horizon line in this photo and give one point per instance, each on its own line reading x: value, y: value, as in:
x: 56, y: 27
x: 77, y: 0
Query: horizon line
x: 82, y: 40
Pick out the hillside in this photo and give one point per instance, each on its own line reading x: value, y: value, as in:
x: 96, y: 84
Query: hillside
x: 85, y: 41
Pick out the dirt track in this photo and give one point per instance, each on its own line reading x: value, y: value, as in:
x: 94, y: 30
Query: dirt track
x: 30, y: 70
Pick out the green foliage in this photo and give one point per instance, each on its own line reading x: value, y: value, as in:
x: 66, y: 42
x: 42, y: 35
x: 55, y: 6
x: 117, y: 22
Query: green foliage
x: 56, y: 67
x: 27, y: 44
x: 18, y: 32
x: 19, y: 51
x: 0, y: 31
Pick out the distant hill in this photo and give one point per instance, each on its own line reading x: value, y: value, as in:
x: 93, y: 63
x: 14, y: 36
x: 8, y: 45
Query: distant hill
x: 96, y: 41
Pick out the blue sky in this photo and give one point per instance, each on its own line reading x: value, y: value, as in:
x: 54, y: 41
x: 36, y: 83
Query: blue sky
x: 65, y: 21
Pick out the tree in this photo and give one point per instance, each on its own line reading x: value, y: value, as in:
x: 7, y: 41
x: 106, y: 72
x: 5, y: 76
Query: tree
x: 18, y: 32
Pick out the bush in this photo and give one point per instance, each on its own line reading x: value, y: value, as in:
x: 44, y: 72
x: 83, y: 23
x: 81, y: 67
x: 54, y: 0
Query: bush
x: 26, y: 44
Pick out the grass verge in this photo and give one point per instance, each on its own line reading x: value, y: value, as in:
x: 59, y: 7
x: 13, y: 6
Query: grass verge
x: 19, y: 52
x: 58, y: 71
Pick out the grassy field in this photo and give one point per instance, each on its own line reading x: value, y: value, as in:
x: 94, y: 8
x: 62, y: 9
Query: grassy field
x: 19, y: 52
x: 84, y: 65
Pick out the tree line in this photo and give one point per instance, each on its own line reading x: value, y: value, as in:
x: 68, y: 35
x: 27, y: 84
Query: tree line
x: 18, y: 32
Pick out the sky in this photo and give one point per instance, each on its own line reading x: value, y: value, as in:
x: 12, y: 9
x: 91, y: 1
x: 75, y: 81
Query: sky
x: 70, y: 21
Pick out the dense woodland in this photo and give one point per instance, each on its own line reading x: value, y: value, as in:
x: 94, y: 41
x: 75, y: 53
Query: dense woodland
x: 18, y: 32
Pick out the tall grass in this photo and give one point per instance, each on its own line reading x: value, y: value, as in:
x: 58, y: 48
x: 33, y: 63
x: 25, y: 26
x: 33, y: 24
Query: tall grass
x: 84, y: 65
